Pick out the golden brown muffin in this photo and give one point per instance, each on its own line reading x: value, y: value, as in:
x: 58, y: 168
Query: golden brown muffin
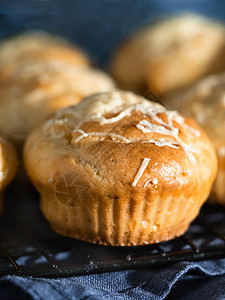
x: 34, y: 91
x: 170, y: 54
x: 120, y: 170
x: 8, y: 166
x: 205, y: 102
x: 40, y: 73
x: 37, y: 46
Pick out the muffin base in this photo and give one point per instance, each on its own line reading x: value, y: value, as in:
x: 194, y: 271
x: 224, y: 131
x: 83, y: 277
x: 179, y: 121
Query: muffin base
x: 155, y: 237
x: 117, y: 222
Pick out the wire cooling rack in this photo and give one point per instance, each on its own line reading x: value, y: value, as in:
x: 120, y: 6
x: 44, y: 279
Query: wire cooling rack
x: 29, y: 247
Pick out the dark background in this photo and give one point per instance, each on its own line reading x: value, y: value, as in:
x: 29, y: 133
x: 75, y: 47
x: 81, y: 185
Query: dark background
x: 96, y: 25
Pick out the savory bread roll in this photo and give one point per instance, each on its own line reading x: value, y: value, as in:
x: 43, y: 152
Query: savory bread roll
x: 8, y: 166
x: 120, y: 170
x: 40, y: 73
x: 37, y: 46
x: 170, y: 55
x: 35, y: 91
x: 205, y: 102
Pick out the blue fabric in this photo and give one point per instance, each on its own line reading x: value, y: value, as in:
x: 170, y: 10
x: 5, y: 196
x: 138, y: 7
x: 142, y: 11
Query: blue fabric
x: 185, y: 280
x: 98, y: 26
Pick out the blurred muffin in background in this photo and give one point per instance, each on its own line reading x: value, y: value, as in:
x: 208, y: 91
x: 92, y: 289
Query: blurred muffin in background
x: 38, y: 46
x: 8, y: 166
x: 205, y: 102
x: 36, y: 91
x: 170, y: 54
x: 44, y: 74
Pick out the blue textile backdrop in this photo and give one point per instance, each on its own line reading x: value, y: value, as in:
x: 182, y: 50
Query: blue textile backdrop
x: 96, y: 25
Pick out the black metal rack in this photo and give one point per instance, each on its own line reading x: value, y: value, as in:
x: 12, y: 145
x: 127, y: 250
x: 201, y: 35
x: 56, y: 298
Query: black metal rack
x: 29, y: 247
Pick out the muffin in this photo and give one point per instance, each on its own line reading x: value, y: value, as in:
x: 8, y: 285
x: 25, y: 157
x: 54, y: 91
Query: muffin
x: 170, y: 55
x: 38, y: 46
x: 43, y: 74
x: 8, y: 166
x: 35, y: 90
x: 205, y: 102
x: 117, y: 169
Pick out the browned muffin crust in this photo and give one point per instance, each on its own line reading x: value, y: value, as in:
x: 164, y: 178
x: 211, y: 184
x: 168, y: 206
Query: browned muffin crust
x: 170, y: 55
x: 40, y: 73
x: 205, y: 102
x: 8, y: 166
x: 36, y: 90
x: 120, y: 170
x: 38, y: 46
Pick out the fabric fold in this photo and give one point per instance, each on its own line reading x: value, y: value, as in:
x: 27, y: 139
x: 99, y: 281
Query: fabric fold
x: 185, y: 279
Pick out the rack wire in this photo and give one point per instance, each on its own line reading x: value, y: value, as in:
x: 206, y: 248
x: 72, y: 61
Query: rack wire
x: 28, y: 247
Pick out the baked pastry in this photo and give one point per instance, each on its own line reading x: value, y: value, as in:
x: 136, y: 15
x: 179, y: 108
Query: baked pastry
x: 8, y: 166
x: 120, y: 170
x: 35, y: 90
x: 38, y: 46
x: 205, y: 102
x: 170, y: 55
